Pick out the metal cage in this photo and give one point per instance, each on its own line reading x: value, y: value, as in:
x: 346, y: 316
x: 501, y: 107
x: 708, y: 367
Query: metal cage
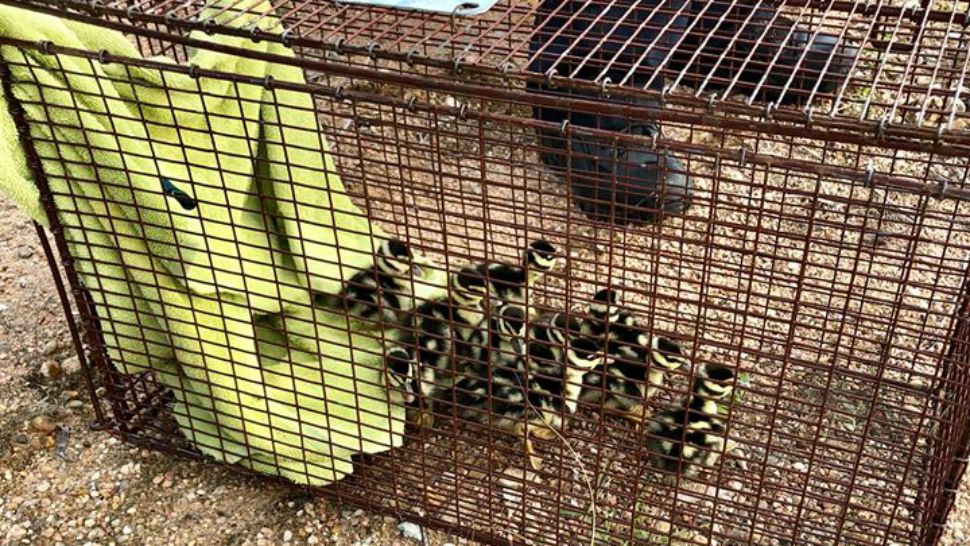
x: 823, y: 258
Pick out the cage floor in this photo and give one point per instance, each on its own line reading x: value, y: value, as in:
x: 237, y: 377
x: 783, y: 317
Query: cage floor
x: 465, y: 477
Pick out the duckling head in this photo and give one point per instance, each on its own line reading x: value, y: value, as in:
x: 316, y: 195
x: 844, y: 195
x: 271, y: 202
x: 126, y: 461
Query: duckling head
x: 667, y: 354
x: 715, y: 381
x: 394, y: 257
x: 540, y: 255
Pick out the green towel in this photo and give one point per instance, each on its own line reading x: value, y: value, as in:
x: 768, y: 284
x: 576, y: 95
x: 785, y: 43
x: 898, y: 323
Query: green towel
x: 198, y: 294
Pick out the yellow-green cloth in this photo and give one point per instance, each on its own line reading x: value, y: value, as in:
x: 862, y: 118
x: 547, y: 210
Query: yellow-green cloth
x: 197, y: 295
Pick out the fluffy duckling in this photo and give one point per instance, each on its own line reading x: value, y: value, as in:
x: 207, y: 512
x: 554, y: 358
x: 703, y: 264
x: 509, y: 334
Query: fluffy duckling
x: 634, y: 376
x: 686, y: 449
x: 501, y: 339
x: 603, y: 311
x: 539, y: 259
x: 380, y: 292
x: 559, y: 370
x: 715, y: 382
x: 692, y: 437
x: 441, y: 328
x: 508, y: 282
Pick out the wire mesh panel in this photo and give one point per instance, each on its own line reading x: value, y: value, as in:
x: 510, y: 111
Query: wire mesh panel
x: 889, y: 69
x: 770, y: 349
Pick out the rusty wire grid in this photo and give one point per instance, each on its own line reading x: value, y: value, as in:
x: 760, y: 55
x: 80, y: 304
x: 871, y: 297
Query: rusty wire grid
x: 823, y: 261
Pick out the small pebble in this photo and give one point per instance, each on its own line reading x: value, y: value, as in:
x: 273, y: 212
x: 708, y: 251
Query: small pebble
x: 51, y: 369
x: 43, y: 423
x: 71, y: 366
x: 287, y: 535
x: 15, y: 534
x: 24, y: 252
x: 74, y: 404
x: 410, y: 530
x: 51, y: 347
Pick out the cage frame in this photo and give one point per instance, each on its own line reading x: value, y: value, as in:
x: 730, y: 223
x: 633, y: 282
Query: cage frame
x: 86, y: 330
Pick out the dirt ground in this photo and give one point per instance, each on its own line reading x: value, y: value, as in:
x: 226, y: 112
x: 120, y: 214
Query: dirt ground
x: 63, y: 483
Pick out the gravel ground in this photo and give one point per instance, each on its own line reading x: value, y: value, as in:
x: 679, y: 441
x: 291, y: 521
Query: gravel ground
x: 102, y: 491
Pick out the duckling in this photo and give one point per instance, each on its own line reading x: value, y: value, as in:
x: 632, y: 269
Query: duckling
x: 539, y: 259
x: 692, y: 437
x: 630, y: 342
x: 493, y: 389
x: 601, y: 312
x: 380, y: 292
x: 636, y: 374
x: 443, y: 327
x: 715, y: 383
x: 559, y: 370
x: 508, y: 282
x: 501, y: 340
x: 550, y: 334
x: 686, y: 449
x: 401, y: 368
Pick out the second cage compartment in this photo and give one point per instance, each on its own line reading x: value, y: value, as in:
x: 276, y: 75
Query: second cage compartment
x: 826, y: 275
